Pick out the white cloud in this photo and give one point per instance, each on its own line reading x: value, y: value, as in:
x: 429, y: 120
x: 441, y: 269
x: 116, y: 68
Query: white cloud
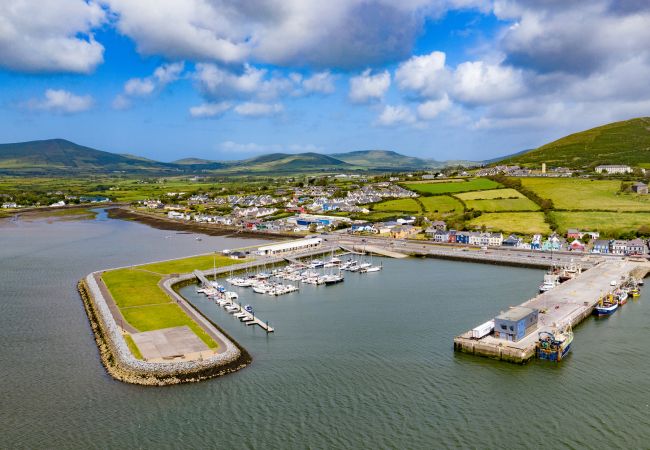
x: 61, y: 101
x: 321, y: 83
x: 37, y: 36
x: 395, y: 115
x: 144, y: 87
x: 306, y: 32
x: 432, y: 108
x: 255, y: 109
x: 367, y: 87
x: 426, y: 75
x: 210, y: 109
x: 252, y: 147
x: 251, y: 82
x: 479, y: 82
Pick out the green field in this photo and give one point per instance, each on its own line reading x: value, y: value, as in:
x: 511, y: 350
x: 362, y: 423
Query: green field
x: 186, y: 265
x: 581, y: 194
x: 513, y: 222
x: 402, y: 205
x: 475, y: 184
x: 441, y: 204
x: 496, y: 200
x: 490, y: 195
x: 609, y: 224
x: 145, y: 306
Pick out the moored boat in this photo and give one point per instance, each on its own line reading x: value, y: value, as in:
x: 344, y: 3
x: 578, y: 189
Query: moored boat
x: 606, y: 306
x: 554, y: 345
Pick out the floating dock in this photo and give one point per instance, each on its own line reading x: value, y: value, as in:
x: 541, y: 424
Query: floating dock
x: 567, y: 304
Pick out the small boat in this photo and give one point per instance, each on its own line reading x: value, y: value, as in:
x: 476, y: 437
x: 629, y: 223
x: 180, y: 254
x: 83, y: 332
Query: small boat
x: 554, y: 346
x: 329, y: 280
x: 606, y: 306
x: 640, y: 282
x: 249, y: 308
x: 634, y: 292
x: 551, y: 280
x: 199, y: 239
x: 260, y: 289
x: 622, y: 297
x: 370, y: 269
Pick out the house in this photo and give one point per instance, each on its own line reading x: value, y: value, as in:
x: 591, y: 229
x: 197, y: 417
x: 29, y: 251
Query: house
x: 636, y: 247
x: 577, y: 246
x: 640, y: 188
x: 462, y: 237
x: 452, y: 237
x: 613, y: 169
x: 536, y: 243
x: 619, y: 247
x: 439, y: 225
x: 474, y: 238
x: 237, y: 255
x: 512, y: 241
x: 430, y: 232
x: 363, y: 228
x: 495, y: 239
x: 402, y: 231
x: 573, y: 233
x: 553, y: 243
x: 601, y: 246
x: 383, y: 228
x: 441, y: 236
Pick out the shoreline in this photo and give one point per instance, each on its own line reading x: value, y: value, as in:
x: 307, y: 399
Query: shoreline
x: 163, y: 223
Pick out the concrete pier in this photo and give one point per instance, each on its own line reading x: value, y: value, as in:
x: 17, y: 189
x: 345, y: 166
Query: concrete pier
x: 567, y: 304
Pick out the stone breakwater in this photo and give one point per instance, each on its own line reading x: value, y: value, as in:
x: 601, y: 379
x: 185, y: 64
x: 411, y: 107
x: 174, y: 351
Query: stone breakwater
x: 122, y: 365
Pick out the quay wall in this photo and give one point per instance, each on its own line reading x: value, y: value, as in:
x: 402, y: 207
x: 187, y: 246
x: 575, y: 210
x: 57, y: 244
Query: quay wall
x: 122, y: 365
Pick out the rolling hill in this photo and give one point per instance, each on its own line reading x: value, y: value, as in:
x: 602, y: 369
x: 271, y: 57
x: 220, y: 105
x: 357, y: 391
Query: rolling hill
x: 626, y: 142
x: 58, y: 156
x: 284, y: 162
x: 384, y: 160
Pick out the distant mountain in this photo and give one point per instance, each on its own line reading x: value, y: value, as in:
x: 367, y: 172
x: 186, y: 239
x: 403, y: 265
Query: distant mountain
x: 58, y: 156
x: 626, y: 142
x: 384, y: 160
x: 287, y: 163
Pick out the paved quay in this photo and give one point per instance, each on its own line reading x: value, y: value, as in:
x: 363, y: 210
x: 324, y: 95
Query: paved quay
x: 567, y: 304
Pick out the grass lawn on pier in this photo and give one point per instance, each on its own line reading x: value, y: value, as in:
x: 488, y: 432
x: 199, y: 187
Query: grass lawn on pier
x: 145, y: 306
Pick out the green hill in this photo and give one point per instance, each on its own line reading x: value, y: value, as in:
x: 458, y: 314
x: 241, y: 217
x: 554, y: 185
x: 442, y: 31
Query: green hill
x: 283, y: 162
x: 58, y: 156
x: 626, y: 142
x: 384, y: 160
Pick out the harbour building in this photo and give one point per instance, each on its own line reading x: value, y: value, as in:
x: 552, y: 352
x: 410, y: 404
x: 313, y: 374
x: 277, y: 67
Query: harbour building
x: 516, y: 323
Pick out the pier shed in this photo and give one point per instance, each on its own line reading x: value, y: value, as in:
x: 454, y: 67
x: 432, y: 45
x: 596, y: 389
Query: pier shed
x: 516, y: 323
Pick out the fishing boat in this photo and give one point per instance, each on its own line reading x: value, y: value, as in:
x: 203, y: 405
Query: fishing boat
x: 634, y: 292
x: 550, y: 281
x: 622, y: 297
x: 554, y: 346
x: 606, y: 306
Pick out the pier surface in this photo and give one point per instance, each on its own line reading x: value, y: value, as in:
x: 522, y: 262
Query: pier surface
x: 566, y: 304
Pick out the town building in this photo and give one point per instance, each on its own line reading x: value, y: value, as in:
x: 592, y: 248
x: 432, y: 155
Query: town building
x: 516, y: 323
x: 636, y: 247
x: 288, y: 247
x: 619, y: 247
x: 577, y: 246
x: 601, y: 246
x: 612, y: 169
x: 512, y: 241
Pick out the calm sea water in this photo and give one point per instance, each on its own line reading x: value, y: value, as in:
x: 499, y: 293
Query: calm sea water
x: 365, y: 364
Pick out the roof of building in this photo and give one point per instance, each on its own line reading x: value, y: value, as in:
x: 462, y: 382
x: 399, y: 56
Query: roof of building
x: 516, y: 313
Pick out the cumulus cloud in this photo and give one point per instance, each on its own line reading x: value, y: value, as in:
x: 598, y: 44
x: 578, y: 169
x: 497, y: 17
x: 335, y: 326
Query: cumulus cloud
x: 321, y: 83
x: 38, y: 36
x: 255, y: 109
x: 479, y: 82
x: 284, y: 32
x: 395, y: 115
x: 218, y: 83
x: 432, y: 108
x: 61, y: 101
x: 367, y: 87
x: 427, y: 75
x: 144, y: 87
x: 210, y: 109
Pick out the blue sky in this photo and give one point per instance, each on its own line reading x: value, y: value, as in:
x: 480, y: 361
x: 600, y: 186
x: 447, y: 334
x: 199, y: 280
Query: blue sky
x: 228, y: 79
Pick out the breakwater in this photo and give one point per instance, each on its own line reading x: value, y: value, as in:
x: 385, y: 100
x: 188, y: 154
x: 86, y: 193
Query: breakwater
x: 122, y: 365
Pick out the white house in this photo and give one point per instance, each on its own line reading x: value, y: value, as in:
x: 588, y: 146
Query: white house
x: 613, y: 168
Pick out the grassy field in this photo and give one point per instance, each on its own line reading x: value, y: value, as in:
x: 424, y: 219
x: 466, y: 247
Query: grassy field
x: 513, y: 222
x: 490, y: 195
x: 402, y: 205
x: 441, y: 204
x: 186, y: 265
x: 607, y: 223
x: 133, y: 287
x: 475, y: 184
x: 581, y: 194
x: 145, y: 306
x: 168, y: 315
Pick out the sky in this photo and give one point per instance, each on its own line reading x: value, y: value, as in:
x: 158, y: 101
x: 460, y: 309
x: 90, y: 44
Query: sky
x: 232, y: 79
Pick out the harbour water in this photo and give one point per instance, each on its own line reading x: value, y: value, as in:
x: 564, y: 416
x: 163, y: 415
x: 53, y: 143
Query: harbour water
x: 363, y: 364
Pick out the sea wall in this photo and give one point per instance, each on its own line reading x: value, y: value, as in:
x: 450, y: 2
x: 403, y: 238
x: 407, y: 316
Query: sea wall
x: 122, y: 365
